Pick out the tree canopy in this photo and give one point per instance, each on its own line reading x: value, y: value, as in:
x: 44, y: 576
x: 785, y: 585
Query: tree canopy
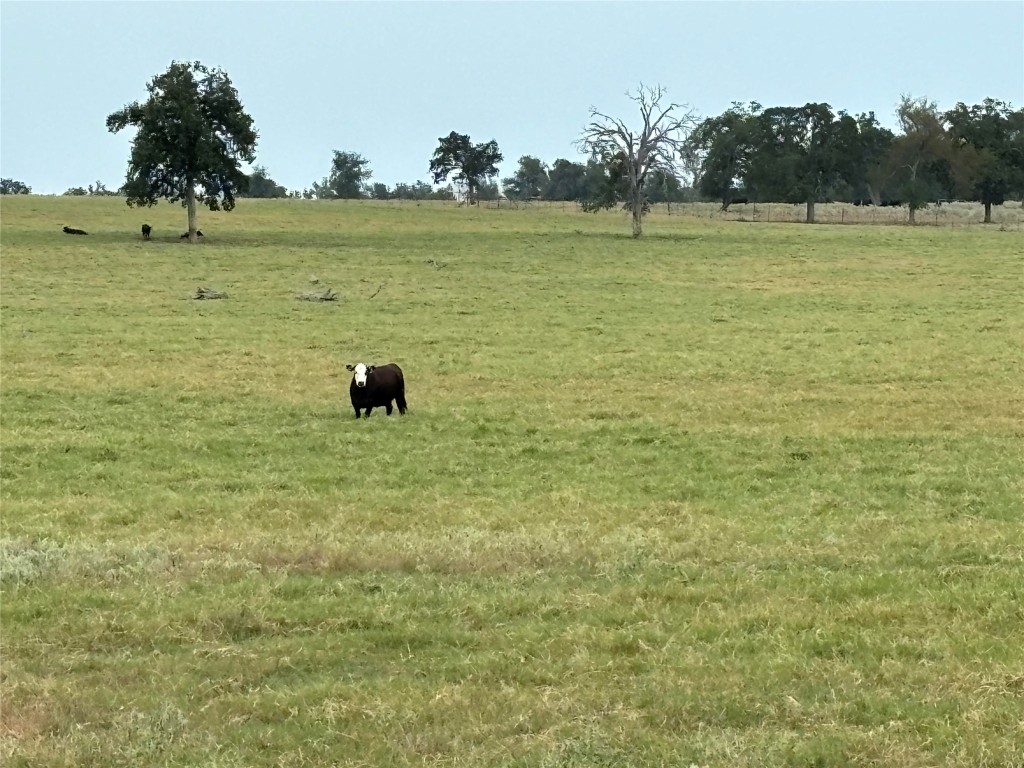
x: 994, y: 134
x: 530, y: 180
x: 475, y: 164
x: 14, y: 187
x: 722, y: 148
x: 261, y: 185
x: 192, y: 134
x: 630, y: 155
x: 347, y: 180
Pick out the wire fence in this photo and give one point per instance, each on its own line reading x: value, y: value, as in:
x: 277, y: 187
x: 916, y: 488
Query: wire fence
x: 949, y: 214
x: 1009, y: 216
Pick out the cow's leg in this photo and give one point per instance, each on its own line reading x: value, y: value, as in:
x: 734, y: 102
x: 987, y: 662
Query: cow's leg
x: 400, y: 400
x: 388, y: 408
x: 357, y: 412
x: 367, y: 414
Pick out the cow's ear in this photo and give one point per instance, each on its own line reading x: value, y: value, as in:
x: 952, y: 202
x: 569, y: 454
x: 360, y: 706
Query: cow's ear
x: 350, y: 367
x: 371, y: 368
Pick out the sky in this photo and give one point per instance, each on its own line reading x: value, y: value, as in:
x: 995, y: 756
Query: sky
x: 387, y: 79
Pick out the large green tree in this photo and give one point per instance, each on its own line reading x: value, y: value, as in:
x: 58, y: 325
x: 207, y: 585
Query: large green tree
x: 994, y: 133
x: 530, y: 180
x: 631, y: 155
x: 922, y: 164
x: 347, y: 180
x: 191, y: 135
x: 472, y: 164
x: 861, y: 146
x: 565, y: 180
x: 720, y: 148
x: 798, y: 156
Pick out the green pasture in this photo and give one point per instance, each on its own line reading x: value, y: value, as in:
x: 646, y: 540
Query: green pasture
x: 733, y: 494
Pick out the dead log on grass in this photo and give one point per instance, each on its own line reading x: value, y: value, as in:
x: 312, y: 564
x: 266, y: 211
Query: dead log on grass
x: 208, y: 293
x: 327, y: 295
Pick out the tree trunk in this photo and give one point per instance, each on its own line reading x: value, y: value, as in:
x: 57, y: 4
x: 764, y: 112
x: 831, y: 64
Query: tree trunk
x: 190, y: 204
x: 913, y: 210
x: 810, y: 211
x: 636, y: 186
x: 988, y: 213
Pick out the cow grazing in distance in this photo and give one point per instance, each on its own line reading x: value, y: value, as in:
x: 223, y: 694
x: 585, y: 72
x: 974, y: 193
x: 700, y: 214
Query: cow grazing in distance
x: 146, y: 230
x: 199, y: 233
x: 375, y: 386
x: 73, y: 231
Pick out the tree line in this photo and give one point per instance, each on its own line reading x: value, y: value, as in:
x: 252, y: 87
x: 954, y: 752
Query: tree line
x: 806, y: 155
x: 192, y: 134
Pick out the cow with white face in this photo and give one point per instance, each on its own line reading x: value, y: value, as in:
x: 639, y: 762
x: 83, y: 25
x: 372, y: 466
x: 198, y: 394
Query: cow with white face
x: 375, y: 386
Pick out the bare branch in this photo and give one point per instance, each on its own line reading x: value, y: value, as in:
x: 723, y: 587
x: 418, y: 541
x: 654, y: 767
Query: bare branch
x: 658, y: 145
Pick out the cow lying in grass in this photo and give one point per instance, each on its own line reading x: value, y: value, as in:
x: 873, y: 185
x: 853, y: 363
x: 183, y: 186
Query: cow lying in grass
x: 199, y: 233
x: 73, y: 231
x: 375, y: 386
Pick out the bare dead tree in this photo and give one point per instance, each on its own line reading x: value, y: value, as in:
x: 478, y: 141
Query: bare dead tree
x: 658, y: 145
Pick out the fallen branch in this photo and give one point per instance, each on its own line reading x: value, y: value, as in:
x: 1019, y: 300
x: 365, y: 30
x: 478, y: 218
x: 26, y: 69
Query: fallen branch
x: 379, y: 289
x: 209, y: 293
x: 327, y: 295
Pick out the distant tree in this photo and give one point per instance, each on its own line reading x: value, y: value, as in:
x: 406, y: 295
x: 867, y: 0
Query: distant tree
x: 443, y: 193
x: 261, y: 185
x: 566, y: 181
x: 380, y: 192
x: 861, y: 146
x: 75, y: 192
x: 488, y: 190
x: 994, y: 133
x: 631, y: 156
x: 100, y: 190
x: 530, y: 180
x: 921, y: 161
x: 665, y: 187
x: 720, y: 150
x: 192, y: 133
x: 349, y: 173
x: 798, y: 156
x: 13, y: 187
x: 475, y: 164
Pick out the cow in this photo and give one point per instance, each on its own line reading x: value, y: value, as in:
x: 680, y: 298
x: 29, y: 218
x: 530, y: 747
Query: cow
x: 375, y: 386
x: 199, y: 233
x: 73, y: 231
x: 146, y: 230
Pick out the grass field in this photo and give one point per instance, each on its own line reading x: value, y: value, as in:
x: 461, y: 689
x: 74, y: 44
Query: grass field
x: 733, y: 494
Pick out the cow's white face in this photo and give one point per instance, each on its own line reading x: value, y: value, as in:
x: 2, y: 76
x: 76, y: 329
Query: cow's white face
x: 359, y: 372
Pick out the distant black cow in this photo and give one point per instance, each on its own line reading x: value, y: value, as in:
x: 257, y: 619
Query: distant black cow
x: 199, y: 233
x: 891, y: 203
x: 375, y: 386
x: 146, y: 230
x: 72, y: 231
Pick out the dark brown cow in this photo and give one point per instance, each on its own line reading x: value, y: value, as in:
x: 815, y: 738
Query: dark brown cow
x: 73, y: 231
x: 375, y: 386
x: 146, y: 230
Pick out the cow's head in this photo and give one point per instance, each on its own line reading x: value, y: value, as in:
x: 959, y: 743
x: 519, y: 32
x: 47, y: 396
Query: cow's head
x: 359, y: 372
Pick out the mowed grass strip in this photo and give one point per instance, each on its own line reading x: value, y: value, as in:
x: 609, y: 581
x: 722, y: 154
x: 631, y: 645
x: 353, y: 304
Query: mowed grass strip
x: 731, y: 495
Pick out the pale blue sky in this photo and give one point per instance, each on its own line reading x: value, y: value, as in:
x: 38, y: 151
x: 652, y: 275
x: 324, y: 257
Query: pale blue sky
x: 386, y: 79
